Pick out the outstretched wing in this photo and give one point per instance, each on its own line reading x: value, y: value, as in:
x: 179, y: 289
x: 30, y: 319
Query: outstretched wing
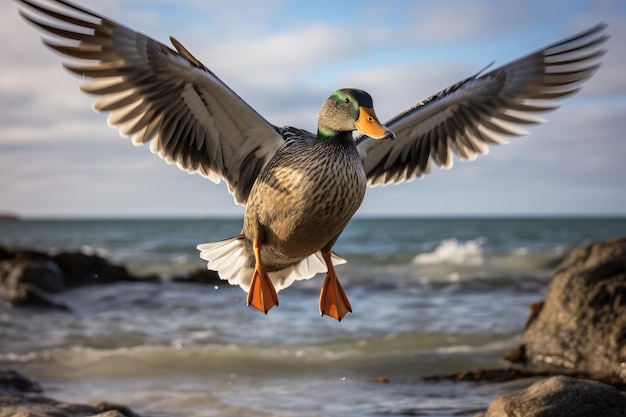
x: 156, y: 94
x: 467, y: 116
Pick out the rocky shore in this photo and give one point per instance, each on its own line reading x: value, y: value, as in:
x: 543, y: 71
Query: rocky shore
x: 20, y: 396
x: 32, y: 278
x: 574, y: 340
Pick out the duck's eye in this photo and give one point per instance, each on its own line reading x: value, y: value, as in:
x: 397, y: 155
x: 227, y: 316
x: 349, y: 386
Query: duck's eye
x: 347, y: 100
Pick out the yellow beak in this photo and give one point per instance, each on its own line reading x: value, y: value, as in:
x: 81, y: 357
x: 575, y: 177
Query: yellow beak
x: 369, y: 125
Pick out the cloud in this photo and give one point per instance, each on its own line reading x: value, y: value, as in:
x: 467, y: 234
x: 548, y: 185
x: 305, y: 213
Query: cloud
x: 58, y: 157
x: 455, y: 22
x: 395, y: 88
x: 610, y: 79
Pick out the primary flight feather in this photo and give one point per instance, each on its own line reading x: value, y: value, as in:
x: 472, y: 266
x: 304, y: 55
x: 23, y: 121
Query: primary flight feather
x: 300, y: 188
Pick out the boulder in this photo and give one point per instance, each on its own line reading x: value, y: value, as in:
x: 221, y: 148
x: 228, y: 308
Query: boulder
x: 560, y: 396
x: 484, y: 375
x: 25, y: 406
x: 29, y: 277
x: 581, y: 327
x: 200, y: 276
x: 39, y: 406
x: 115, y: 410
x: 12, y: 382
x: 43, y: 274
x: 19, y: 397
x: 111, y: 413
x: 81, y: 269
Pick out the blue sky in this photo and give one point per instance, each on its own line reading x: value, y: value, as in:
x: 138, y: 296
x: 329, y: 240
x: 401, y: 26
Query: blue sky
x: 59, y: 158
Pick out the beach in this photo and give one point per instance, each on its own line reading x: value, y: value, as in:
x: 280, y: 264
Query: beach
x: 430, y: 297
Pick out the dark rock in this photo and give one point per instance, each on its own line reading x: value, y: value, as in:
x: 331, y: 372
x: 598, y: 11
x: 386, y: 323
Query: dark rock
x: 81, y: 269
x: 581, y: 327
x: 560, y: 396
x: 18, y: 398
x: 484, y: 375
x: 517, y: 356
x: 5, y: 253
x: 28, y: 255
x: 27, y: 277
x: 201, y: 276
x: 535, y: 309
x: 12, y: 382
x: 9, y: 217
x: 27, y: 406
x: 121, y: 410
x: 38, y: 406
x: 111, y: 413
x: 44, y: 274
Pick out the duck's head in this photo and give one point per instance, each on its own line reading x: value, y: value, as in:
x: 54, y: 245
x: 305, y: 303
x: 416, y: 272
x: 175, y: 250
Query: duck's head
x: 350, y: 109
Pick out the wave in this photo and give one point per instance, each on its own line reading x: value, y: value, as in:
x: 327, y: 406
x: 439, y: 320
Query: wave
x: 451, y: 252
x: 367, y: 355
x: 475, y: 254
x: 466, y: 264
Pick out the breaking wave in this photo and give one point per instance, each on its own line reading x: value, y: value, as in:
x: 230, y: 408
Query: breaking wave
x: 452, y: 252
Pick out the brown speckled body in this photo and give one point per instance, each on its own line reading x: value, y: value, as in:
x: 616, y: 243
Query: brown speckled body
x: 304, y: 198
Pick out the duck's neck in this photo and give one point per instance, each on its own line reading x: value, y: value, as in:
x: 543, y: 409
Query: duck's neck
x: 327, y: 134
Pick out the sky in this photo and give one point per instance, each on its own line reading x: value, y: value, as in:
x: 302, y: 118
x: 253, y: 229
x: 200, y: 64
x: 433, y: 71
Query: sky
x: 58, y: 158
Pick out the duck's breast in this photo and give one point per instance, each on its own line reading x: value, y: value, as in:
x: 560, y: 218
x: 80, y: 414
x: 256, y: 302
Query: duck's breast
x: 305, y: 197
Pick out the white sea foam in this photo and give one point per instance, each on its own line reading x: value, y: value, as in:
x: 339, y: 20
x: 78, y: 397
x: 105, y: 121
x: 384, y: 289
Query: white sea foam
x: 452, y: 252
x: 498, y: 345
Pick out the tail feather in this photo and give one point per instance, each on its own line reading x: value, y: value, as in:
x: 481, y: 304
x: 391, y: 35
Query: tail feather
x: 228, y: 257
x: 234, y: 262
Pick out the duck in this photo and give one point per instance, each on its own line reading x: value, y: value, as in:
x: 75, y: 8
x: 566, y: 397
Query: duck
x: 300, y: 188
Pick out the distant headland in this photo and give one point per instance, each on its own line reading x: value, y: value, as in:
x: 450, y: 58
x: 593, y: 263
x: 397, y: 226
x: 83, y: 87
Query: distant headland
x: 8, y: 216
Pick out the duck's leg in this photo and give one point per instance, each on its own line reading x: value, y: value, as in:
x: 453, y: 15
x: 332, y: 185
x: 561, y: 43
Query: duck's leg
x: 262, y: 294
x: 333, y: 300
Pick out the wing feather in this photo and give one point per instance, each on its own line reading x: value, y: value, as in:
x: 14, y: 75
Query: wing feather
x: 481, y: 109
x: 156, y: 94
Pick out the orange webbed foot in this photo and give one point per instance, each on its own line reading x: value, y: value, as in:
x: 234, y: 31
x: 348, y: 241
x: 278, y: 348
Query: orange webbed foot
x: 333, y: 300
x: 262, y: 294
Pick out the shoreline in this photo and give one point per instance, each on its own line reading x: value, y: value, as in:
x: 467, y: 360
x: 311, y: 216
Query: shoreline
x: 32, y: 272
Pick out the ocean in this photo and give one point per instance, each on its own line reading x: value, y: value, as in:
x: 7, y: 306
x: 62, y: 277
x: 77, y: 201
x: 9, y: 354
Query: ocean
x: 429, y: 295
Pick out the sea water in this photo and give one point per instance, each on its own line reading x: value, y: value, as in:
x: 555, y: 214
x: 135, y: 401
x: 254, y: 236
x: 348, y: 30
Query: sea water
x: 430, y: 296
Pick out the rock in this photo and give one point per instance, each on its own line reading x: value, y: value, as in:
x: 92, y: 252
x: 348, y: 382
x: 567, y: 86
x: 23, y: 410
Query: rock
x: 5, y: 253
x: 201, y: 276
x: 9, y: 217
x: 560, y: 396
x: 44, y: 274
x: 81, y: 269
x: 28, y: 277
x: 25, y: 254
x: 484, y: 375
x: 111, y: 413
x: 17, y: 398
x: 115, y: 410
x: 12, y: 382
x: 38, y: 406
x: 26, y: 406
x: 581, y: 327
